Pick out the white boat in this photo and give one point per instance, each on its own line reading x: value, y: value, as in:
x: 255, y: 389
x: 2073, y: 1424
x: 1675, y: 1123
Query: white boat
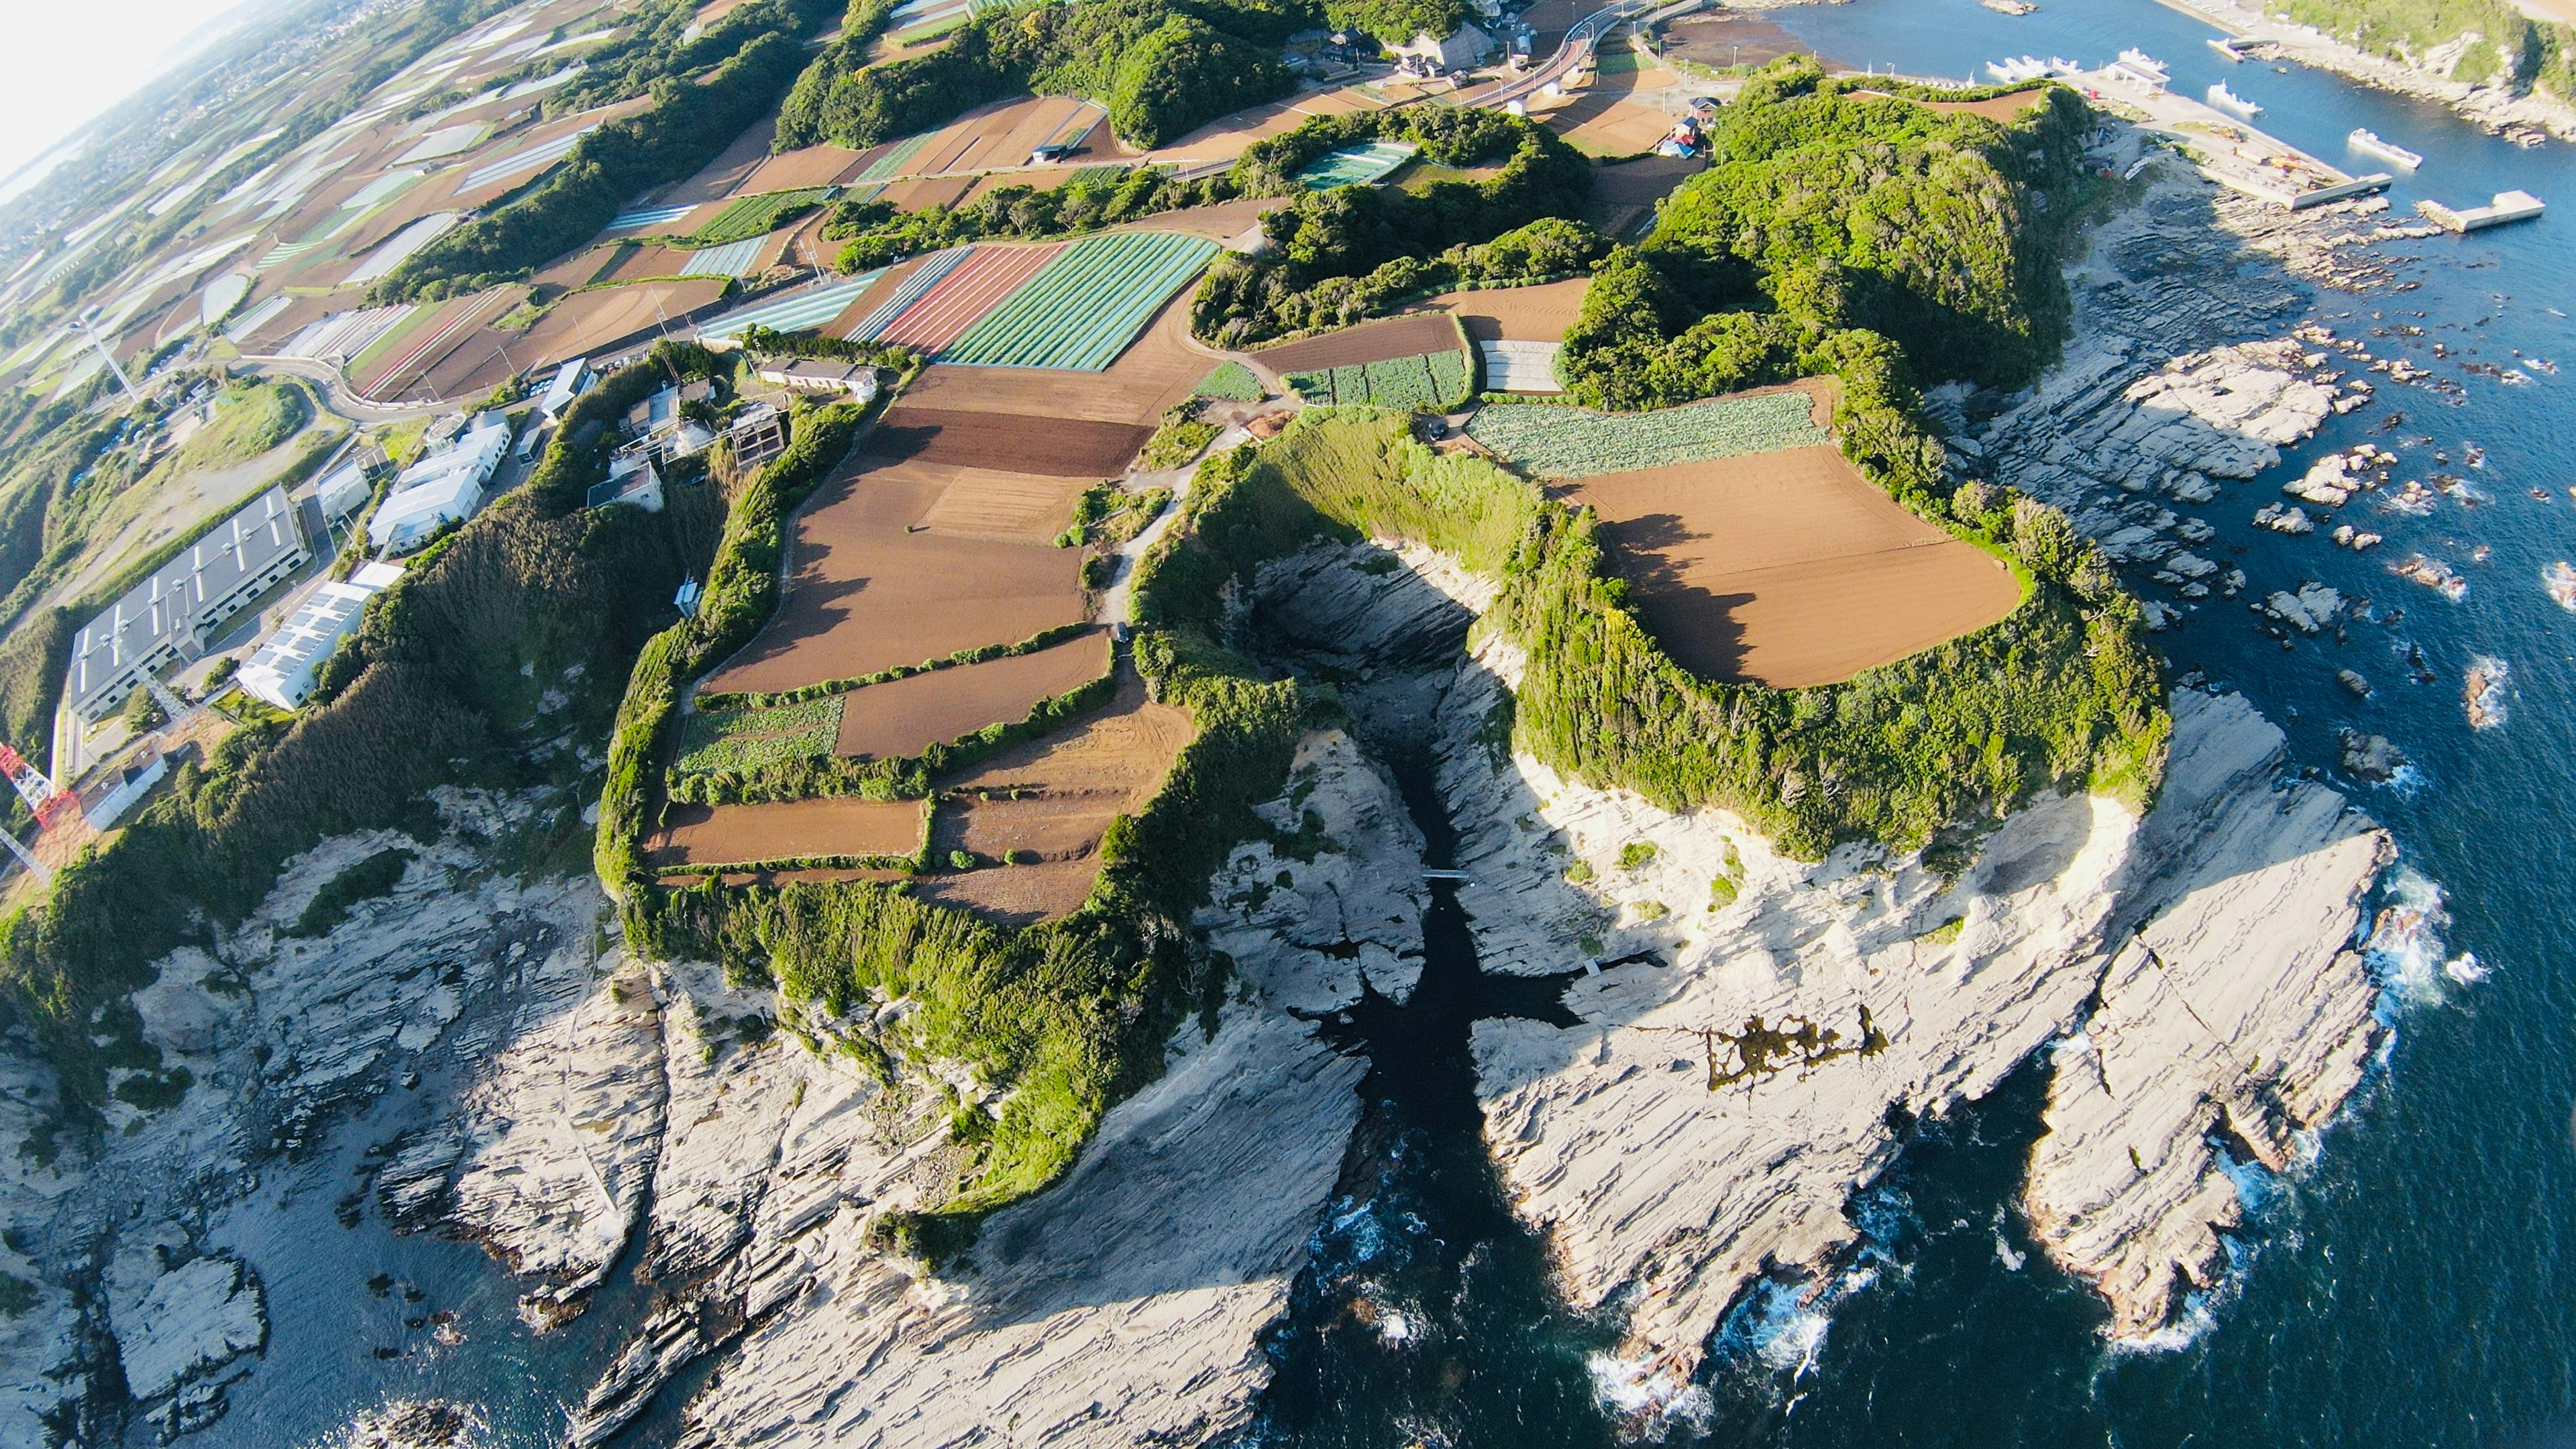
x: 2227, y: 100
x: 2366, y: 140
x: 2507, y: 206
x: 2139, y: 69
x: 2015, y: 70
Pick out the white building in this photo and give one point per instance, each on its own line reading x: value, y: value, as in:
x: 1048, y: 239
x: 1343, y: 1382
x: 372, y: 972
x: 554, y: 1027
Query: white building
x: 107, y: 800
x: 343, y: 490
x: 571, y: 381
x: 283, y: 670
x: 1460, y: 49
x: 632, y: 478
x: 441, y: 488
x: 857, y: 379
x: 170, y: 617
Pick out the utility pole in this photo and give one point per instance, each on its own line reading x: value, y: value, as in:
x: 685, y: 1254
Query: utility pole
x: 83, y: 323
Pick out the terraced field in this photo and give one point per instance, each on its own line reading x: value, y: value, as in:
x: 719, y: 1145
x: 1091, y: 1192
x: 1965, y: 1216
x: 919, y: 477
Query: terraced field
x: 1569, y: 442
x: 961, y: 299
x: 1356, y: 165
x: 751, y: 216
x: 1083, y: 308
x: 1437, y: 379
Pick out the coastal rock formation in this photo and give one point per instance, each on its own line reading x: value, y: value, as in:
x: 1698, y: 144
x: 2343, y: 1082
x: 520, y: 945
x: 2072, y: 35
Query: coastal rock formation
x: 2237, y: 1011
x: 281, y: 1036
x: 1121, y: 1304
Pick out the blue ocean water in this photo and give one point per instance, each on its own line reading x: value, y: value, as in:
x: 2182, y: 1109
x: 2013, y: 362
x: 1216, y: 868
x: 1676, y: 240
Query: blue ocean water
x: 2413, y: 1285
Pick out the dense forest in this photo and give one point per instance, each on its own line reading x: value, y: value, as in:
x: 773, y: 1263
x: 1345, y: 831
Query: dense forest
x: 1163, y: 68
x: 1825, y: 211
x: 1340, y: 255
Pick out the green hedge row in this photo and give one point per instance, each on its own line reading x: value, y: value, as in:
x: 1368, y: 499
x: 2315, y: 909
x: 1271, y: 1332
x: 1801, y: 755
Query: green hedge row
x: 740, y: 592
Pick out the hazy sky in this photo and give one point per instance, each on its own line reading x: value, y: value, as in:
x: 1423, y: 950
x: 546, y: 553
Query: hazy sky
x: 70, y: 61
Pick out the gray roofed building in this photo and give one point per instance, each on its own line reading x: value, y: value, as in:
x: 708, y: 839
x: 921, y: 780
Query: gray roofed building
x: 172, y: 616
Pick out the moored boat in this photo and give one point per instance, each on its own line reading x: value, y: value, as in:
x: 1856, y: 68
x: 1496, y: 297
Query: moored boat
x: 2365, y: 140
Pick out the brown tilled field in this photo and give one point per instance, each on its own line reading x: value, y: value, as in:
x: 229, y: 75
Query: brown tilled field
x: 1057, y: 447
x: 1601, y: 123
x: 903, y: 717
x: 1789, y: 568
x: 1001, y: 135
x: 789, y: 830
x: 1070, y: 786
x: 1406, y: 336
x: 725, y: 175
x: 877, y: 584
x: 1157, y: 370
x: 2004, y: 108
x: 798, y: 169
x: 1624, y: 194
x: 1516, y: 314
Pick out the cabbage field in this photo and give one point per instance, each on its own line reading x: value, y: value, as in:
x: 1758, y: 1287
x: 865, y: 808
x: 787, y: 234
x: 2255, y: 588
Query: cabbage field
x: 745, y: 739
x: 1429, y: 380
x: 1550, y: 441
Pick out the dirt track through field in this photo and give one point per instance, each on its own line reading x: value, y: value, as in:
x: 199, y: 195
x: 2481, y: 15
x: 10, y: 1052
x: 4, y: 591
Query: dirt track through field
x: 876, y: 585
x: 1789, y: 568
x: 903, y: 717
x: 794, y: 829
x: 1408, y: 336
x: 1070, y: 785
x: 1059, y: 447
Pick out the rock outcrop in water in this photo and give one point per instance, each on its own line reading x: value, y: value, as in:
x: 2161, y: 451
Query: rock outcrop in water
x: 1758, y: 1030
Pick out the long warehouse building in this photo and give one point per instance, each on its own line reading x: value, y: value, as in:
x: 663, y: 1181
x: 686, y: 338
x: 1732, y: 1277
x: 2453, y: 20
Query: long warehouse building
x: 172, y: 616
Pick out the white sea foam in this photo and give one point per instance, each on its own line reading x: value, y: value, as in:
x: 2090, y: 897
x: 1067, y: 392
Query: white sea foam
x: 1396, y: 1329
x: 2006, y: 1254
x: 2466, y: 969
x: 1650, y: 1397
x: 2405, y: 946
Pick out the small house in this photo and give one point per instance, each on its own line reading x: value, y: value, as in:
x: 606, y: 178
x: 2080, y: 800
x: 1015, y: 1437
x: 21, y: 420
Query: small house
x: 1460, y: 49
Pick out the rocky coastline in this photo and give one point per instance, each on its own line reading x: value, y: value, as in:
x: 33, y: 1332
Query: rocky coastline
x: 1753, y: 1033
x: 2427, y: 77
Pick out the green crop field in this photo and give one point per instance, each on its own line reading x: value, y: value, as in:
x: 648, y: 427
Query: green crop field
x: 1083, y: 308
x: 742, y: 739
x: 1428, y: 380
x: 1233, y: 382
x: 1569, y: 442
x: 752, y: 216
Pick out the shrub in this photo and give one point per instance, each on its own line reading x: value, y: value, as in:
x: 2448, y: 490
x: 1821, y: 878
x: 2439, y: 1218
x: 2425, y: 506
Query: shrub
x: 374, y: 876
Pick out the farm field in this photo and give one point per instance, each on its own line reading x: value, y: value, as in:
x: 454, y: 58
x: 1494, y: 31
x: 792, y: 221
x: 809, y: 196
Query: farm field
x: 1433, y: 380
x: 1788, y: 568
x: 1407, y: 336
x: 1602, y: 124
x: 900, y: 286
x: 787, y: 830
x: 877, y: 584
x: 1083, y: 308
x: 1158, y: 370
x: 1625, y: 193
x: 1057, y: 447
x: 1570, y: 442
x: 1070, y: 785
x: 902, y: 717
x: 1515, y: 314
x: 965, y: 293
x: 759, y: 214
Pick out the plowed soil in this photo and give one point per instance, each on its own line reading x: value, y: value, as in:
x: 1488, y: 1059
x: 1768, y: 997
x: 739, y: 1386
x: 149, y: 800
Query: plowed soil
x: 725, y: 175
x: 876, y: 584
x: 1603, y: 124
x: 1789, y: 568
x: 1407, y: 336
x: 903, y: 717
x: 1517, y: 314
x: 1157, y: 370
x: 1070, y: 786
x: 844, y: 825
x: 1003, y: 135
x: 1056, y: 447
